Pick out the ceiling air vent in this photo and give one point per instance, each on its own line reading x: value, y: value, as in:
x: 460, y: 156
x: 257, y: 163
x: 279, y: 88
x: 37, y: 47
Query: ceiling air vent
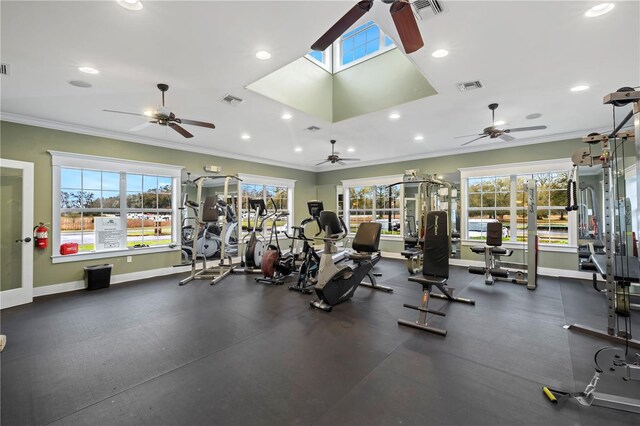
x: 4, y: 69
x: 231, y: 100
x: 313, y: 128
x: 469, y: 85
x: 421, y: 7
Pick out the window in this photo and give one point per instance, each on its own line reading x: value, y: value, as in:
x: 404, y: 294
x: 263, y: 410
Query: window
x: 372, y: 200
x: 354, y: 46
x: 108, y: 205
x: 503, y: 198
x: 267, y: 189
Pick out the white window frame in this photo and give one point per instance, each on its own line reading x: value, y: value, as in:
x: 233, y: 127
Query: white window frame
x: 247, y: 179
x: 337, y: 65
x: 327, y: 56
x: 61, y: 159
x: 530, y: 167
x: 371, y: 181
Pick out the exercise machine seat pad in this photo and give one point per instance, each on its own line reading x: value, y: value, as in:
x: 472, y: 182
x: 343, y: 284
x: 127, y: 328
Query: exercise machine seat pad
x: 499, y: 250
x: 367, y: 237
x: 494, y: 234
x: 330, y: 219
x: 477, y: 249
x: 436, y: 246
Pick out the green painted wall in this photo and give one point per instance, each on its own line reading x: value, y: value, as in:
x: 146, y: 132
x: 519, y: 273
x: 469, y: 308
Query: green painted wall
x: 395, y: 78
x: 28, y: 143
x: 301, y: 85
x: 449, y: 165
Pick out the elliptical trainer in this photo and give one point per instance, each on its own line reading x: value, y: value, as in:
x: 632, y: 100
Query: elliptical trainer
x: 254, y: 248
x: 308, y: 270
x: 275, y: 265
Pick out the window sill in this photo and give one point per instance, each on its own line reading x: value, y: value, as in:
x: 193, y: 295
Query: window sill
x: 79, y: 257
x: 552, y: 248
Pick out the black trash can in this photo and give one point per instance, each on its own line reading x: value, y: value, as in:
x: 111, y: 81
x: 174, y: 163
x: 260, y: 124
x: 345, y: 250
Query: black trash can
x: 97, y: 276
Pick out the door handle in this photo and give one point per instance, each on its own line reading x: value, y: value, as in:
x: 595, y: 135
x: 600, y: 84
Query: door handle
x: 26, y: 240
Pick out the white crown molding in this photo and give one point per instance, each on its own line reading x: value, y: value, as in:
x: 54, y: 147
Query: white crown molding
x: 457, y: 151
x: 92, y: 131
x: 73, y: 128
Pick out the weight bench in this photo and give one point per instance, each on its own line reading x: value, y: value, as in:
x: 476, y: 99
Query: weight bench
x: 435, y: 272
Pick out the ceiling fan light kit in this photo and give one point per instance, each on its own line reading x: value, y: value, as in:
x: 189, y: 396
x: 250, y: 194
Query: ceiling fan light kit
x: 164, y: 117
x: 493, y: 132
x: 334, y: 157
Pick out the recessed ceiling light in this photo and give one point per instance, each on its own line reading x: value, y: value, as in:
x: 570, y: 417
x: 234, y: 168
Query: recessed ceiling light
x: 418, y: 138
x: 351, y: 150
x: 130, y: 4
x: 263, y: 54
x: 599, y: 10
x: 245, y: 136
x: 579, y: 88
x: 298, y: 149
x: 394, y: 116
x: 88, y: 70
x: 286, y: 116
x: 499, y: 123
x: 440, y: 53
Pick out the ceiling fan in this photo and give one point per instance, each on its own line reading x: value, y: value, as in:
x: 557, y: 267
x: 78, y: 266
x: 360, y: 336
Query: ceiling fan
x: 164, y: 117
x: 493, y: 132
x: 334, y: 157
x: 403, y: 19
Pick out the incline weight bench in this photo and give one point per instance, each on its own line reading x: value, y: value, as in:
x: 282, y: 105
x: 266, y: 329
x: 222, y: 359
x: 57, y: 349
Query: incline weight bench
x: 435, y: 272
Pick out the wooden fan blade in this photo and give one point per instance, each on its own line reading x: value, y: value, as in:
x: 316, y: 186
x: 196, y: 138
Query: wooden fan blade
x: 342, y: 25
x: 123, y: 112
x: 180, y: 130
x: 473, y: 140
x: 141, y: 126
x: 468, y: 136
x: 523, y: 129
x: 197, y: 123
x: 349, y: 159
x: 507, y: 138
x: 322, y: 162
x: 406, y: 25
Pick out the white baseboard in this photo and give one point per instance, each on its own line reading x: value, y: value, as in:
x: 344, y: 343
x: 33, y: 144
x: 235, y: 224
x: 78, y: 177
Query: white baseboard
x: 548, y: 272
x: 115, y: 279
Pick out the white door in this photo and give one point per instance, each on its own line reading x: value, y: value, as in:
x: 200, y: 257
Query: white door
x: 16, y: 233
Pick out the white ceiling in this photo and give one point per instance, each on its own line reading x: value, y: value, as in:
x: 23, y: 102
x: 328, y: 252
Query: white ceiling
x: 526, y: 53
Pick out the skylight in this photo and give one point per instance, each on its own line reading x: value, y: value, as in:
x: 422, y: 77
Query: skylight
x: 353, y: 47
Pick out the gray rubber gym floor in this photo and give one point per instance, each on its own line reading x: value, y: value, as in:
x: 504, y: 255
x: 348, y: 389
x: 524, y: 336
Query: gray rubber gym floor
x: 240, y: 352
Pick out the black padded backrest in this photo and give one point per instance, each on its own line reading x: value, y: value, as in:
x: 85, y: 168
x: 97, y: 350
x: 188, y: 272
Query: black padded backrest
x: 330, y: 219
x: 367, y: 238
x: 210, y: 209
x: 494, y: 234
x: 436, y: 245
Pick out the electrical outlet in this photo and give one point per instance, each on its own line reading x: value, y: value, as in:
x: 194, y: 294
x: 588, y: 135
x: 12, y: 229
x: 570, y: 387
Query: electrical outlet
x: 129, y: 259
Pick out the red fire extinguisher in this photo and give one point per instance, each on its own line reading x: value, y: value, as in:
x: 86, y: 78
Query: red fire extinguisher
x: 41, y: 235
